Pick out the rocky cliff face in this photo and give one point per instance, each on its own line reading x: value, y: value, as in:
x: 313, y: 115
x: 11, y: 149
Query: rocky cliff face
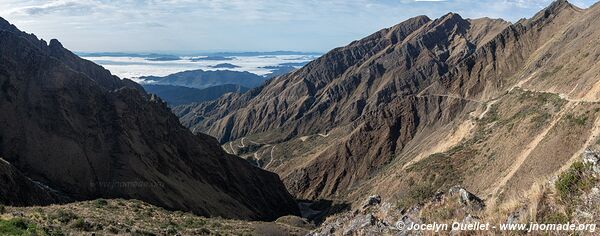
x: 369, y: 87
x: 423, y: 106
x: 72, y: 126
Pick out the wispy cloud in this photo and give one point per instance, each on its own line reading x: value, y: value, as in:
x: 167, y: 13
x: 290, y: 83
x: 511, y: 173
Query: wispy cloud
x: 150, y: 25
x: 58, y: 7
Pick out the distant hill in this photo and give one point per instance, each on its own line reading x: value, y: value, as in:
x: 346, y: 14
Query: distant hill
x: 203, y: 79
x: 122, y: 54
x: 253, y: 54
x: 164, y: 58
x: 179, y: 95
x: 278, y: 70
x: 211, y: 58
x: 224, y: 66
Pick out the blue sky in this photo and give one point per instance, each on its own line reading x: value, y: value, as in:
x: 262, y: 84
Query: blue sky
x: 235, y: 25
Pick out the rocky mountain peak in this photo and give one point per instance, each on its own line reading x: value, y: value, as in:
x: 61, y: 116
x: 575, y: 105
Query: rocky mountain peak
x: 446, y: 26
x: 415, y: 20
x: 446, y: 37
x: 559, y: 4
x: 554, y: 10
x: 5, y: 25
x: 54, y: 43
x: 451, y: 16
x: 450, y: 20
x: 400, y: 31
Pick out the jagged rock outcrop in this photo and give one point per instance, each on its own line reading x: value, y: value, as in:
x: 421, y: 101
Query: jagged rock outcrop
x: 384, y: 218
x: 466, y: 198
x: 592, y: 157
x: 72, y: 126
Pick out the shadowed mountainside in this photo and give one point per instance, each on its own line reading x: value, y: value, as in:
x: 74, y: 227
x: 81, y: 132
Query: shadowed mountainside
x: 179, y: 95
x: 69, y: 125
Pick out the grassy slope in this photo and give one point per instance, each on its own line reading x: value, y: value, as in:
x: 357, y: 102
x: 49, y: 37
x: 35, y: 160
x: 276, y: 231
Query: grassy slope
x: 132, y: 217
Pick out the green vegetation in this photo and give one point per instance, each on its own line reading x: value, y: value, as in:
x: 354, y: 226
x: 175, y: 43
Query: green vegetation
x: 416, y: 194
x: 555, y: 218
x: 549, y: 211
x: 573, y: 182
x: 533, y: 110
x: 437, y: 164
x: 578, y: 120
x: 118, y: 216
x: 530, y: 106
x: 491, y: 116
x: 586, y: 54
x: 541, y: 98
x: 194, y: 223
x: 18, y: 227
x: 440, y: 214
x: 551, y: 72
x: 549, y: 98
x: 63, y: 216
x: 249, y: 148
x: 540, y: 120
x: 112, y: 229
x: 100, y: 203
x: 81, y: 224
x: 435, y: 172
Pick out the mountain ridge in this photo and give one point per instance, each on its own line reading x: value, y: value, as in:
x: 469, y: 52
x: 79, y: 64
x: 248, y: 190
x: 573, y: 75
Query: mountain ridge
x: 201, y: 79
x: 179, y: 95
x: 116, y: 141
x: 340, y: 132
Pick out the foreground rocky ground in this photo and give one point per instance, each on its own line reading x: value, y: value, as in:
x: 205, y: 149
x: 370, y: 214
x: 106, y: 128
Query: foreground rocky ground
x: 132, y: 217
x: 571, y: 197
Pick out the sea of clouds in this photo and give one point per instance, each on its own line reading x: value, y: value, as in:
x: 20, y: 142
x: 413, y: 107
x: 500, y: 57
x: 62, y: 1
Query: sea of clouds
x: 133, y: 67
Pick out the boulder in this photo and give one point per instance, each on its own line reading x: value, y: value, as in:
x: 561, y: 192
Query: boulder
x: 372, y: 201
x: 466, y: 198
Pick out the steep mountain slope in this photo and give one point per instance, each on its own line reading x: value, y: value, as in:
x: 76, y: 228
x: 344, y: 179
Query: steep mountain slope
x: 16, y: 189
x: 73, y: 127
x: 367, y: 88
x: 422, y: 106
x: 179, y: 95
x: 203, y: 79
x: 347, y: 82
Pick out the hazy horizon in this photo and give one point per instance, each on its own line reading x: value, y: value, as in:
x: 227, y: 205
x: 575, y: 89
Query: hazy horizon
x: 195, y: 52
x: 135, y: 65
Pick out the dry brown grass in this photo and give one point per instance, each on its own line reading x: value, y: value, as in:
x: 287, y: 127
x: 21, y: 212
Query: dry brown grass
x: 133, y: 217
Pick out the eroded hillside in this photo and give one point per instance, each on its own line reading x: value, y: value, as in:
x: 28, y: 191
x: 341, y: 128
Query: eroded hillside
x: 423, y: 106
